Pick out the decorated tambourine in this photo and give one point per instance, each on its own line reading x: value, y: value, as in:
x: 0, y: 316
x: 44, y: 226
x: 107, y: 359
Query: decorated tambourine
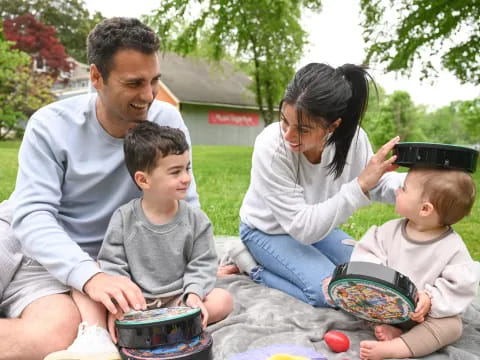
x: 198, y: 348
x: 163, y: 326
x: 436, y: 155
x: 373, y: 292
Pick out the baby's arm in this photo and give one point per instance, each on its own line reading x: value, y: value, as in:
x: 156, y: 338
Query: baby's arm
x: 455, y: 289
x: 370, y: 248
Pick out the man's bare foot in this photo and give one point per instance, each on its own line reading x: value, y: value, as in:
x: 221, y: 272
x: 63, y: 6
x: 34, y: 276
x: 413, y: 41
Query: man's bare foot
x: 387, y: 332
x: 379, y: 350
x: 225, y: 270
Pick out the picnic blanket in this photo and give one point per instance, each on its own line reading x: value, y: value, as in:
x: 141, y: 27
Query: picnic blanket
x: 264, y: 317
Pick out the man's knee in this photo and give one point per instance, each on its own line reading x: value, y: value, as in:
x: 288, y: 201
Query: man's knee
x: 51, y: 322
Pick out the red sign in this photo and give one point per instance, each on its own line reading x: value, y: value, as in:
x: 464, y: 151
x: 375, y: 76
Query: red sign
x: 233, y: 118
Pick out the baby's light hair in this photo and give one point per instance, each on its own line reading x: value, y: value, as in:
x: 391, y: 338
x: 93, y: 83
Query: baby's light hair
x: 451, y: 192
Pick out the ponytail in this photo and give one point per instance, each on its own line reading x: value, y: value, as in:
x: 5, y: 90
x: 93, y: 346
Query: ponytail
x: 358, y: 81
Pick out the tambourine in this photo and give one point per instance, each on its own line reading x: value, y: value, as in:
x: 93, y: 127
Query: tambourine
x: 163, y: 326
x: 373, y: 292
x: 436, y: 155
x: 198, y: 348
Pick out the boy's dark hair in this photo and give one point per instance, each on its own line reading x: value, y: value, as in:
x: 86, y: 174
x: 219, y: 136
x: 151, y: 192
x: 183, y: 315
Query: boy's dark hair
x: 114, y: 34
x: 322, y: 94
x: 451, y: 192
x: 148, y: 142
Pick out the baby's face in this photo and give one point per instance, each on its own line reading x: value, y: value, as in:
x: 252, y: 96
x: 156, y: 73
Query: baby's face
x: 409, y: 197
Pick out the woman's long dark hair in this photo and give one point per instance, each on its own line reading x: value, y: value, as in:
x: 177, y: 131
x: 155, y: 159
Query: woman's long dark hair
x: 323, y: 94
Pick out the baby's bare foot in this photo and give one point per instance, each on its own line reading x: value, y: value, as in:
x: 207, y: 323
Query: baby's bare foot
x: 379, y: 350
x: 387, y: 332
x: 369, y: 350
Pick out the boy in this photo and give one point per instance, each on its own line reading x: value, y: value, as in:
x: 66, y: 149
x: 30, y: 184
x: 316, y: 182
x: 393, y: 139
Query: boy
x: 424, y: 247
x: 159, y: 241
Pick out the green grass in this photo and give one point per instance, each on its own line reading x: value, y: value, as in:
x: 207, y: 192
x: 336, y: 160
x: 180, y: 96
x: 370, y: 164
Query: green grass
x: 8, y: 167
x: 223, y: 174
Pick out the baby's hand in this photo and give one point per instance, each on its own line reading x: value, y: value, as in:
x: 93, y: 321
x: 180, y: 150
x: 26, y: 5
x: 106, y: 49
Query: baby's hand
x: 423, y: 307
x: 194, y: 301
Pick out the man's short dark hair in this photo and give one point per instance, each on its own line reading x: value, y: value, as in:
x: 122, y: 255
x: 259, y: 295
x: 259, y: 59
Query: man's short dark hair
x: 148, y: 142
x: 114, y: 34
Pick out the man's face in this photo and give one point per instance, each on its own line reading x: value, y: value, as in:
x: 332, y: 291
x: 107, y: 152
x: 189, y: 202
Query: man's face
x: 128, y: 92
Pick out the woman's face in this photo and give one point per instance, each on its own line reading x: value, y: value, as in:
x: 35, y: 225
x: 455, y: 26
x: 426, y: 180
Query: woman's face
x: 309, y: 138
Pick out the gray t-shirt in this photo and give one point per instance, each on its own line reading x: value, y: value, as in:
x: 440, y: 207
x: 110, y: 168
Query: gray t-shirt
x: 174, y: 258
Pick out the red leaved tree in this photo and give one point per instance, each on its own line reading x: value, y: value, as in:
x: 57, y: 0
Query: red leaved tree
x: 39, y: 41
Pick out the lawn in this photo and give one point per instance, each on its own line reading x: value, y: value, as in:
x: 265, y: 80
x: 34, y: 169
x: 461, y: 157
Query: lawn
x: 222, y: 174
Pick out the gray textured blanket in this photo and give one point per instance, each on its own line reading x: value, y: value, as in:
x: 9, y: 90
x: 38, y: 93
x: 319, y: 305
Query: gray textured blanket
x: 264, y: 317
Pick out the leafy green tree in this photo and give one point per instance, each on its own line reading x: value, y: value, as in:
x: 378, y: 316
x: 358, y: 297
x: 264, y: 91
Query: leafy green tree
x: 379, y: 127
x: 10, y: 61
x: 443, y: 125
x: 392, y: 115
x: 70, y: 18
x: 22, y: 91
x: 469, y: 112
x: 265, y: 33
x: 424, y: 30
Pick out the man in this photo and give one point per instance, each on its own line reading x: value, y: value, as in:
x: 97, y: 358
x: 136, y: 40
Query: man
x: 71, y: 178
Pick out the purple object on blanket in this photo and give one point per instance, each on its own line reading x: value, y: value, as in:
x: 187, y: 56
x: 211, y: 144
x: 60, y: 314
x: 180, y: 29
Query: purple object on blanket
x: 266, y: 352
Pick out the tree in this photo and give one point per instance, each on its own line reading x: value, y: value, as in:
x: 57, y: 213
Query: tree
x: 469, y: 112
x: 265, y: 33
x: 70, y: 18
x: 392, y: 115
x: 39, y: 41
x: 21, y: 90
x: 424, y: 30
x: 444, y: 125
x: 10, y: 61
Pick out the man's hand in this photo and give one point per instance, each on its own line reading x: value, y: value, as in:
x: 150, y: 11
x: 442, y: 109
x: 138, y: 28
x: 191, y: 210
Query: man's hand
x: 424, y: 304
x: 194, y: 301
x: 111, y: 290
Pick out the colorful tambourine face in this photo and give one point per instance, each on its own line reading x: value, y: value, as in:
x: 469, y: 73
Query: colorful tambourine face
x: 163, y: 326
x: 441, y: 156
x: 386, y: 298
x: 157, y: 315
x: 198, y: 348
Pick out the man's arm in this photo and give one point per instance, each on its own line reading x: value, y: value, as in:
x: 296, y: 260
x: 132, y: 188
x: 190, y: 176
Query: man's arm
x: 36, y: 199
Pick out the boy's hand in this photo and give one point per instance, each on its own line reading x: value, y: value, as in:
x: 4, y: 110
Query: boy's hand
x: 194, y: 301
x: 111, y: 323
x: 111, y: 290
x: 424, y: 304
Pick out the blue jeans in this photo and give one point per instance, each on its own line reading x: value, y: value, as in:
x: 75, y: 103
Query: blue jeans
x: 294, y: 268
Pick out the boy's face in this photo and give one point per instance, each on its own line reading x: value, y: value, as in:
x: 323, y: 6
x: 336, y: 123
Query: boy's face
x: 409, y: 198
x: 171, y: 178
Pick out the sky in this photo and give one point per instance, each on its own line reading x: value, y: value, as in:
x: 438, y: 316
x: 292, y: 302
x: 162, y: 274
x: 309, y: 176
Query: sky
x: 335, y: 37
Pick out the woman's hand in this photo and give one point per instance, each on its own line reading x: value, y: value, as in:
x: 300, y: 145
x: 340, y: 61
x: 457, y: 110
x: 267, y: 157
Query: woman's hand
x: 378, y: 165
x: 194, y: 301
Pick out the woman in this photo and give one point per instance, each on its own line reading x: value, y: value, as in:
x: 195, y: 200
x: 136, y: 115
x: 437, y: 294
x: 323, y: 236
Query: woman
x: 309, y: 174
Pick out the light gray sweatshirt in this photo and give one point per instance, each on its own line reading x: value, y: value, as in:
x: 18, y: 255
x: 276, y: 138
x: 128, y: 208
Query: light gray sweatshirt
x: 163, y: 260
x: 442, y: 266
x: 71, y: 178
x: 290, y: 195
